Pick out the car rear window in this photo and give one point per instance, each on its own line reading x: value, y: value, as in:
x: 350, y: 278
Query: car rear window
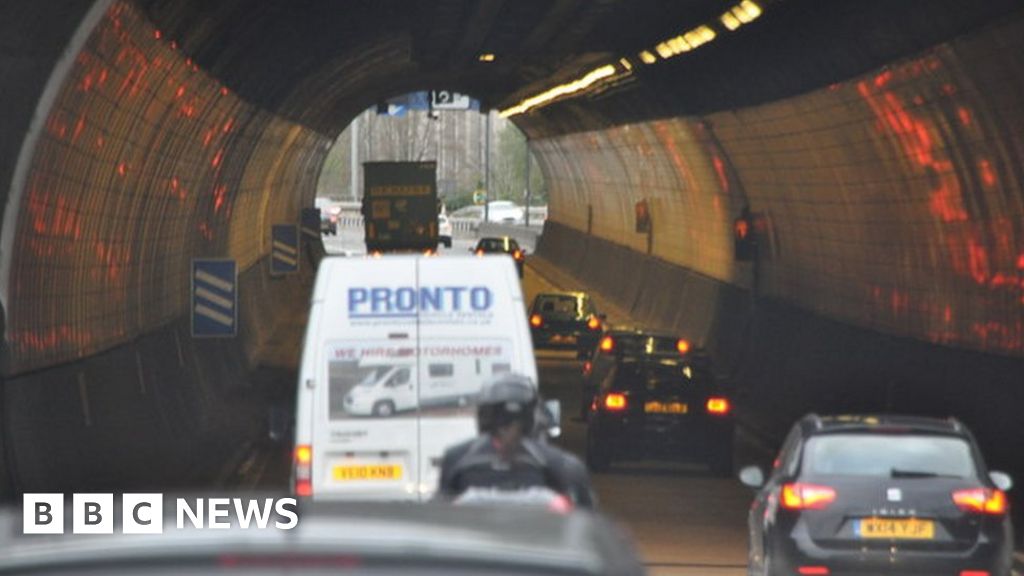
x: 639, y: 345
x: 661, y: 377
x: 889, y: 455
x: 557, y: 305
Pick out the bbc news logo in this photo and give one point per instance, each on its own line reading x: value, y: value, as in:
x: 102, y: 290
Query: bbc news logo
x: 144, y: 513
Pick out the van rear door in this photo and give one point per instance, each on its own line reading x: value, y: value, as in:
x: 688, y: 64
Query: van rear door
x: 366, y: 434
x: 471, y: 325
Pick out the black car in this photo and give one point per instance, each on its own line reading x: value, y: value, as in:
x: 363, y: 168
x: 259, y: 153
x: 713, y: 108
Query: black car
x: 660, y: 407
x: 619, y: 343
x: 879, y: 495
x: 502, y: 245
x: 565, y: 320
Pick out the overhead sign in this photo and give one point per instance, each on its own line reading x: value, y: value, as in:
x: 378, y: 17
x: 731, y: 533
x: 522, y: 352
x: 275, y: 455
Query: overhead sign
x: 448, y: 100
x: 311, y: 222
x: 284, y: 249
x: 214, y: 298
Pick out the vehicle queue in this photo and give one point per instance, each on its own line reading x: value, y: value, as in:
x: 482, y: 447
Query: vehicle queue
x: 846, y: 495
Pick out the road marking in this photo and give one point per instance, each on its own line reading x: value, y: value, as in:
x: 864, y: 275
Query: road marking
x: 286, y: 259
x: 214, y: 281
x: 214, y: 315
x: 214, y: 297
x: 286, y: 248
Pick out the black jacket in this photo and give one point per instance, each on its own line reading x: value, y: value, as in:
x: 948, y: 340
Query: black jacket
x: 477, y: 464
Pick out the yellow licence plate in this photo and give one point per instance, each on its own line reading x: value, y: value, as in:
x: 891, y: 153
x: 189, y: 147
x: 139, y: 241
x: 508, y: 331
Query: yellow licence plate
x: 349, y: 472
x: 666, y: 408
x: 908, y: 529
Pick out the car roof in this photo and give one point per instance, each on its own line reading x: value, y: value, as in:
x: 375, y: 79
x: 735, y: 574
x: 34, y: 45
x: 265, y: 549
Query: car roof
x: 520, y: 539
x: 882, y: 423
x: 640, y: 332
x: 563, y: 293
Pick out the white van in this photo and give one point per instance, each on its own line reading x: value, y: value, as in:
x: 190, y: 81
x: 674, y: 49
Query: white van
x: 396, y: 350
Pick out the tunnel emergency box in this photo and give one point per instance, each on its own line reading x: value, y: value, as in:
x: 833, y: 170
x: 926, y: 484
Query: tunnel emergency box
x: 400, y: 206
x: 396, y: 351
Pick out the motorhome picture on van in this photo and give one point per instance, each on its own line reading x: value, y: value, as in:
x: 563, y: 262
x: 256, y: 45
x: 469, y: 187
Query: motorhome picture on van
x: 396, y: 351
x: 384, y: 379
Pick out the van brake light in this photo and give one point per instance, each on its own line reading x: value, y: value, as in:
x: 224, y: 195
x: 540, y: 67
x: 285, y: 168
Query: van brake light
x: 303, y: 470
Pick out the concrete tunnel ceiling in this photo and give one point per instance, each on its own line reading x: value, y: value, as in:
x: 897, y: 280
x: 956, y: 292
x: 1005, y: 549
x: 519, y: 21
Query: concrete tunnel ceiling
x: 879, y: 140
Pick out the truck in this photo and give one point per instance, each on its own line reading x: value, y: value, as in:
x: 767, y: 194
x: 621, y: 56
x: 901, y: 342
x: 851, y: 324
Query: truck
x: 400, y: 206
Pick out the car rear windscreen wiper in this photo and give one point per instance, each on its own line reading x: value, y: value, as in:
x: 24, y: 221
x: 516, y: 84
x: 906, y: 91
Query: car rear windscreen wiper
x: 898, y: 473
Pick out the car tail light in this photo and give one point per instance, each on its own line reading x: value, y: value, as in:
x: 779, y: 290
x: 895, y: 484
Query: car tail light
x: 801, y: 496
x: 718, y: 405
x: 536, y: 321
x: 981, y: 500
x: 303, y: 470
x: 594, y: 323
x: 813, y: 570
x: 975, y: 573
x: 479, y: 252
x: 587, y: 367
x: 518, y: 254
x: 683, y: 346
x: 607, y: 344
x: 615, y: 401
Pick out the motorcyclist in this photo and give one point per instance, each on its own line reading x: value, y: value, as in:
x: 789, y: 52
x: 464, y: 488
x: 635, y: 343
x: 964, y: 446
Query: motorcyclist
x: 507, y: 455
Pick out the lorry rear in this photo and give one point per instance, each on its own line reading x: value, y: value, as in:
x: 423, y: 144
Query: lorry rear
x: 400, y: 206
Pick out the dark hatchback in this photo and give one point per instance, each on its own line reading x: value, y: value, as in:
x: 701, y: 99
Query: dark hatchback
x: 502, y: 245
x: 657, y: 407
x: 565, y: 320
x: 621, y: 343
x: 851, y: 495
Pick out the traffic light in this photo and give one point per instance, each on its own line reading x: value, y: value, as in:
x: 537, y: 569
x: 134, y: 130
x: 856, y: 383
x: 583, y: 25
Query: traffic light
x: 744, y: 239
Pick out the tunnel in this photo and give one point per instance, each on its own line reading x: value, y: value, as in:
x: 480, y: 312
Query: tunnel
x: 874, y: 149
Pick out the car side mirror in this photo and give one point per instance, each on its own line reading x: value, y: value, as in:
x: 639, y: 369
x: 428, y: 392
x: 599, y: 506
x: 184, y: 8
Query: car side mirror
x: 1002, y: 480
x: 752, y: 476
x: 554, y: 408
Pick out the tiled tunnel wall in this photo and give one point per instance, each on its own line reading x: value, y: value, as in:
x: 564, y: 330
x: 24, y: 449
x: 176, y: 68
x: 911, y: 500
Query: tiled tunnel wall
x: 891, y: 227
x: 892, y: 201
x: 145, y: 163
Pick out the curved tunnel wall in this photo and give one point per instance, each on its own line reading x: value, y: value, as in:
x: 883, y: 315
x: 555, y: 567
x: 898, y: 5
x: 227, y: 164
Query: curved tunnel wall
x: 891, y: 201
x: 891, y: 228
x: 145, y: 162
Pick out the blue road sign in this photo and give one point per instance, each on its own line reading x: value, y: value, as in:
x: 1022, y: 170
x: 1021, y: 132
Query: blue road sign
x: 311, y: 222
x: 284, y: 249
x: 214, y: 298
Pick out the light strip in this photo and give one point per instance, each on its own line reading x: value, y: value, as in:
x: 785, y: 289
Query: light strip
x: 582, y: 83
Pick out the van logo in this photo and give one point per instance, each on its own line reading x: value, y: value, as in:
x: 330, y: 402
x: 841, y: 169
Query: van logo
x: 894, y: 495
x: 407, y: 302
